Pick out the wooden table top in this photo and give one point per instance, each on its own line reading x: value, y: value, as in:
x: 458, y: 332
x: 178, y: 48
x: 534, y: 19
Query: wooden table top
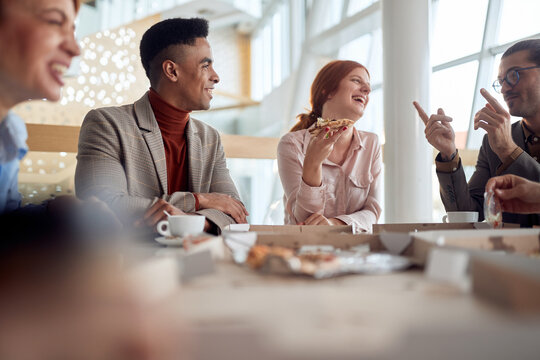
x: 374, y: 316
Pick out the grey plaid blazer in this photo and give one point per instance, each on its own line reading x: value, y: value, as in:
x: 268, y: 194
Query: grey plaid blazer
x: 121, y: 160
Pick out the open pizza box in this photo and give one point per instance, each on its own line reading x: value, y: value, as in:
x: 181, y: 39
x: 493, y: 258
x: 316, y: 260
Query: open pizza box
x: 422, y: 248
x: 508, y: 280
x: 415, y: 245
x: 343, y: 241
x: 521, y: 241
x: 315, y: 254
x: 501, y: 266
x: 413, y: 227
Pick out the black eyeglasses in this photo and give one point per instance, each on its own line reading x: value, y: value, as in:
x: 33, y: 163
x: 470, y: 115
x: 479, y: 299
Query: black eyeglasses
x: 511, y: 78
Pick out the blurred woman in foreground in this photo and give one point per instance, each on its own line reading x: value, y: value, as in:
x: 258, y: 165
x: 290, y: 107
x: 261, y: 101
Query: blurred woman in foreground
x: 38, y: 44
x: 64, y: 295
x: 332, y: 178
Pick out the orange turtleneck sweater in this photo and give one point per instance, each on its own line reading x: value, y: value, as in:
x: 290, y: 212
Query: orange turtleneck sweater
x: 172, y: 122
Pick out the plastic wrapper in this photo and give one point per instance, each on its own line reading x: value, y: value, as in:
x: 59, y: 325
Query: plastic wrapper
x: 492, y: 210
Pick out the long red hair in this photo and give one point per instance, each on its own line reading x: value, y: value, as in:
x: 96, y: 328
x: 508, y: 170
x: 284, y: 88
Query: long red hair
x: 326, y: 82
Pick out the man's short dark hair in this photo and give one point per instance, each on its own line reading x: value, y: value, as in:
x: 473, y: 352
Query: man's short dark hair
x: 533, y: 45
x: 158, y: 39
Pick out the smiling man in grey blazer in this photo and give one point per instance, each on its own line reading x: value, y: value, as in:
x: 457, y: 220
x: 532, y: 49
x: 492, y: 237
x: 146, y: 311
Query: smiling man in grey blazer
x: 507, y: 148
x: 151, y: 156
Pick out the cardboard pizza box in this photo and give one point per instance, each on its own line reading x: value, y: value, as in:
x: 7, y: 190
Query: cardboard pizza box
x: 522, y: 241
x: 340, y: 241
x: 412, y: 227
x: 511, y: 281
x: 292, y: 229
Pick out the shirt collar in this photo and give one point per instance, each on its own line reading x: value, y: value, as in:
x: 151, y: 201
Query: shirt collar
x: 526, y: 131
x: 13, y: 137
x: 357, y: 140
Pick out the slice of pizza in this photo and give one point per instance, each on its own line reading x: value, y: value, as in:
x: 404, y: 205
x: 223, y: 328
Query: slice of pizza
x: 333, y: 124
x: 258, y: 253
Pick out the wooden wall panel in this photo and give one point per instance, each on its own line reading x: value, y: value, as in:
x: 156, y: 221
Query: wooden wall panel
x: 57, y: 138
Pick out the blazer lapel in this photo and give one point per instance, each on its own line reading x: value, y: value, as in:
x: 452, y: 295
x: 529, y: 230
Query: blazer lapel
x: 194, y: 157
x: 152, y: 135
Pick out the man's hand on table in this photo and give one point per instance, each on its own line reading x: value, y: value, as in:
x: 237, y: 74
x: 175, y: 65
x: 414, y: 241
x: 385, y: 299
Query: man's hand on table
x: 496, y: 121
x: 318, y: 219
x: 156, y: 213
x: 225, y: 204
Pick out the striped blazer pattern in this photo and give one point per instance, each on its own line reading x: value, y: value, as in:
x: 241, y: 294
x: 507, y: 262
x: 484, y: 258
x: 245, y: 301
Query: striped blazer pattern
x: 121, y: 160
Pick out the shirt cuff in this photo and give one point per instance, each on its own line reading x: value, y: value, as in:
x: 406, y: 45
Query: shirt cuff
x: 509, y: 160
x: 311, y: 198
x: 357, y: 226
x: 197, y: 206
x: 447, y: 166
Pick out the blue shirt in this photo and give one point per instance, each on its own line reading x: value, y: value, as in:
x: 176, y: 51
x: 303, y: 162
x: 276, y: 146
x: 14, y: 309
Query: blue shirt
x: 13, y: 148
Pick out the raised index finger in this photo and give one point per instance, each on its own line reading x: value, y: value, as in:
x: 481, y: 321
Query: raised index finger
x: 421, y: 112
x: 492, y: 101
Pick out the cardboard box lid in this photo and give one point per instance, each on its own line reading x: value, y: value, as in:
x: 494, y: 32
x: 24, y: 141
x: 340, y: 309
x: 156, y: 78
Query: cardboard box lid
x: 341, y: 241
x: 292, y: 229
x: 523, y: 241
x: 410, y: 227
x: 495, y: 239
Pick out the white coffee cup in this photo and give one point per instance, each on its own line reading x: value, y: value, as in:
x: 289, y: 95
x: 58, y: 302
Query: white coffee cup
x: 460, y: 217
x: 181, y: 225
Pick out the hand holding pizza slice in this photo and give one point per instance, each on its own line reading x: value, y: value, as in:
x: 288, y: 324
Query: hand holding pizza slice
x: 333, y: 124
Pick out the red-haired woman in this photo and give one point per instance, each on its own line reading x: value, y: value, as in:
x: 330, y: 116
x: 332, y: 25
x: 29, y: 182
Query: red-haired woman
x: 334, y: 177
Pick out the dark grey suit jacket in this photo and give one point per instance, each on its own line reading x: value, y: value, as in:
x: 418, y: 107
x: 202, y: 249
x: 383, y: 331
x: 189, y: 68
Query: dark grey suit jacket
x: 457, y: 195
x: 121, y: 160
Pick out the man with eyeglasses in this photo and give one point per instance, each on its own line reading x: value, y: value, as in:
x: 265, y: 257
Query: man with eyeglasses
x: 507, y: 148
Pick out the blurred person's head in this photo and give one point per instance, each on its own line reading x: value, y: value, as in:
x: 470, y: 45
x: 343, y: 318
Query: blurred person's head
x: 520, y: 64
x: 47, y: 275
x: 340, y: 90
x: 38, y: 44
x: 178, y: 61
x: 65, y: 294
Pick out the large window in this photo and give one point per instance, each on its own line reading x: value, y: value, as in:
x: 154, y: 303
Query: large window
x: 519, y: 19
x: 452, y: 90
x: 466, y: 57
x: 357, y: 6
x: 457, y: 32
x: 271, y: 45
x: 468, y: 38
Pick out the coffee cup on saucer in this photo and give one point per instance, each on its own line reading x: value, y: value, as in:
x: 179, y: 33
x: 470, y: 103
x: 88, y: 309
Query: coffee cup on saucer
x: 460, y: 217
x: 181, y: 225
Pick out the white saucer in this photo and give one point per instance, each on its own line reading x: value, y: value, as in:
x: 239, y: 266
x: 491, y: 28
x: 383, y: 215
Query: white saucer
x: 170, y: 241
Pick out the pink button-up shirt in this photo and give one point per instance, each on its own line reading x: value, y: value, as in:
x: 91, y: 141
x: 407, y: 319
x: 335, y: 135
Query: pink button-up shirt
x: 349, y: 192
